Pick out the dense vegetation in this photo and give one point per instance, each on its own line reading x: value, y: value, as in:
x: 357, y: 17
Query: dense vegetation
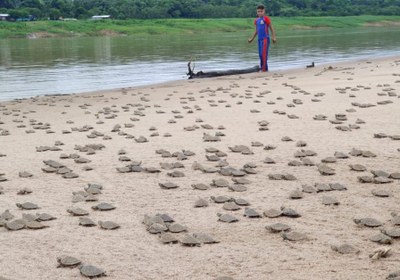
x: 145, y: 9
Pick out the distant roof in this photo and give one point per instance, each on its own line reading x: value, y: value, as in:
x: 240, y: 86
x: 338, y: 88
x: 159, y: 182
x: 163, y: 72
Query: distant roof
x: 4, y: 15
x: 101, y: 16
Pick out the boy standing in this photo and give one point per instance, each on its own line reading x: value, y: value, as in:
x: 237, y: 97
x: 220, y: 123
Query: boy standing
x: 263, y: 28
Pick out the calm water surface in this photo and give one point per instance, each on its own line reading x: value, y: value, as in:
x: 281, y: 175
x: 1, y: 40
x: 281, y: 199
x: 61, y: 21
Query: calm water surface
x: 30, y: 67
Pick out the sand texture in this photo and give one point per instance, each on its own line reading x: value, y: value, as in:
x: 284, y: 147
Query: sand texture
x: 317, y: 150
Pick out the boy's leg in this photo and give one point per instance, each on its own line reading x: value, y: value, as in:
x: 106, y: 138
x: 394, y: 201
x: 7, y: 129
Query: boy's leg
x: 265, y: 49
x: 260, y: 49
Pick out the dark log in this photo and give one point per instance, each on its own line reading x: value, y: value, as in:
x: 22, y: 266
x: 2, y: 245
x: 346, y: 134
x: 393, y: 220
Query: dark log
x: 210, y: 74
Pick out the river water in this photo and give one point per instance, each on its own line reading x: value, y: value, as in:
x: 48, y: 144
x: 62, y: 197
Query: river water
x: 30, y: 67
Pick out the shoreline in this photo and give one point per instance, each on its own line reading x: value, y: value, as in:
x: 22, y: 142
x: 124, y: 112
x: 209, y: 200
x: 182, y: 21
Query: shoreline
x: 173, y: 82
x: 315, y: 150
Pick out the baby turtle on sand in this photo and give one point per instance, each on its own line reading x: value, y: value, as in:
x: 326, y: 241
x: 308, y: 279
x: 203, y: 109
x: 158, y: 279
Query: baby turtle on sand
x: 326, y: 170
x: 394, y: 276
x: 231, y: 206
x: 76, y: 211
x: 41, y: 217
x: 201, y: 203
x: 34, y: 225
x: 166, y: 218
x: 241, y: 202
x: 368, y: 222
x: 293, y: 236
x: 380, y: 193
x: 357, y: 167
x: 189, y: 240
x: 220, y: 199
x: 91, y: 271
x: 68, y: 261
x: 289, y: 212
x: 86, y: 222
x: 201, y: 187
x: 381, y: 238
x: 392, y: 232
x: 237, y: 188
x: 205, y: 238
x: 278, y: 227
x: 168, y: 185
x: 156, y: 228
x: 168, y: 238
x: 272, y: 213
x: 176, y: 228
x: 27, y: 206
x: 108, y: 225
x: 345, y: 249
x: 329, y: 200
x: 308, y: 189
x: 15, y: 225
x: 220, y: 183
x: 227, y: 218
x: 296, y: 194
x: 251, y: 213
x: 103, y: 206
x: 365, y: 179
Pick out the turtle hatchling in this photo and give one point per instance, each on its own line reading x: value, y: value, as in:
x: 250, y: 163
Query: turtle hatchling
x: 15, y: 225
x: 272, y: 213
x: 251, y: 213
x: 176, y: 228
x: 168, y: 238
x: 168, y: 185
x: 76, y: 211
x: 91, y: 271
x: 108, y: 225
x: 368, y: 222
x: 189, y: 240
x: 205, y: 238
x: 345, y: 249
x: 278, y: 227
x: 86, y: 222
x: 103, y: 206
x: 227, y: 218
x: 381, y: 238
x: 27, y: 206
x: 293, y: 236
x: 68, y: 261
x: 289, y: 212
x: 201, y: 203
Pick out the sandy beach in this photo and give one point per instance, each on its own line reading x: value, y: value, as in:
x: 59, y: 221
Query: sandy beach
x: 315, y: 151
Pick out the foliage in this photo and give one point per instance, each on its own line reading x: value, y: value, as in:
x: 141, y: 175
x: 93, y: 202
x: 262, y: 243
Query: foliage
x: 146, y: 9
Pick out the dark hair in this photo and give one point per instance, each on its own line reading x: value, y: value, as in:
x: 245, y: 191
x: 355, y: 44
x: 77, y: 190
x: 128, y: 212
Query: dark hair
x: 260, y: 7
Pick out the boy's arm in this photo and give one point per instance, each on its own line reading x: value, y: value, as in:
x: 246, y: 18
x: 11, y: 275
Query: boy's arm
x: 252, y: 37
x: 272, y: 33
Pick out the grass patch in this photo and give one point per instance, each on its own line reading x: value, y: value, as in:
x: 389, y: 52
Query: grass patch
x: 181, y: 26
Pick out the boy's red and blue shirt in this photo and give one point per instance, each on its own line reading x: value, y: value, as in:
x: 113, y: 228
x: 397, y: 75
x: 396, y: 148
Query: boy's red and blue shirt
x: 262, y: 25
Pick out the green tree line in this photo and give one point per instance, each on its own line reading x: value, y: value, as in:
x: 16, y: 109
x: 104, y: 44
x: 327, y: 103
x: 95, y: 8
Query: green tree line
x: 146, y: 9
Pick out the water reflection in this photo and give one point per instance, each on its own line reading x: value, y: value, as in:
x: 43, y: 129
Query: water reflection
x: 67, y: 65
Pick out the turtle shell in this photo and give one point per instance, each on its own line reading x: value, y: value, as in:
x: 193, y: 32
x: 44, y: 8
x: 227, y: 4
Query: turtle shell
x: 103, y: 206
x: 68, y: 261
x: 91, y: 271
x: 108, y: 225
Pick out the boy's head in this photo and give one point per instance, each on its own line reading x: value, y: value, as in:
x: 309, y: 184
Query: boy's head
x: 260, y: 10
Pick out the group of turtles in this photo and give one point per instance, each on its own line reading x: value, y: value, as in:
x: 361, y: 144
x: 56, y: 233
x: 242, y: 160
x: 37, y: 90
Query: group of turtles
x: 89, y: 271
x: 170, y: 232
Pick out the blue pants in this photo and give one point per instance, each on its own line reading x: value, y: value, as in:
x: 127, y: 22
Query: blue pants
x: 263, y: 48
